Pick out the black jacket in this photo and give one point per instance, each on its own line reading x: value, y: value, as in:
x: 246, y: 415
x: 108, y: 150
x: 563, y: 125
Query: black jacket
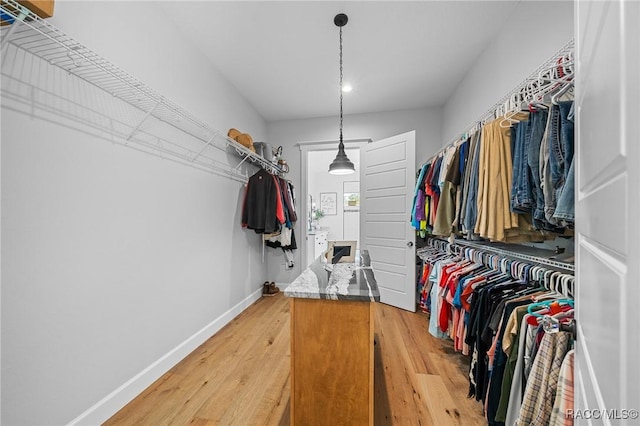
x: 260, y: 204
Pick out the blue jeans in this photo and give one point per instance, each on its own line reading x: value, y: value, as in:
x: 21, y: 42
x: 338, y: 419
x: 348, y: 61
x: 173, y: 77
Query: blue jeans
x: 521, y: 198
x: 538, y: 124
x: 565, y: 210
x: 566, y: 135
x: 560, y: 150
x: 471, y: 208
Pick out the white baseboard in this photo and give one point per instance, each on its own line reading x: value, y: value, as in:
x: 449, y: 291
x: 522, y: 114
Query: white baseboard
x: 112, y: 403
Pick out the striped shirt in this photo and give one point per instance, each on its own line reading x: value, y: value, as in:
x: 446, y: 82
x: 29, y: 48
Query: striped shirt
x: 540, y: 393
x: 564, y: 395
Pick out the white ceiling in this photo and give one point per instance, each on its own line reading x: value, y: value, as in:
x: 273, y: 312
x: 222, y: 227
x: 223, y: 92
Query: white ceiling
x: 283, y: 56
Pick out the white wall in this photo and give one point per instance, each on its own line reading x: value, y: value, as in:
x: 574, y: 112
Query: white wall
x: 531, y: 35
x: 376, y: 126
x: 112, y: 258
x: 321, y: 181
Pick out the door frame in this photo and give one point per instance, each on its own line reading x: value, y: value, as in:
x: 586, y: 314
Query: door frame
x: 306, y: 147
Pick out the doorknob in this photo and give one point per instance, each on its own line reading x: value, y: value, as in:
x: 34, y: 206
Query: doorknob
x: 410, y: 244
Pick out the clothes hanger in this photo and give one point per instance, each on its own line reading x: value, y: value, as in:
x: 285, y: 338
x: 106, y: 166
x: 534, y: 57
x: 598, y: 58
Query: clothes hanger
x: 539, y: 274
x: 514, y: 269
x: 567, y: 285
x: 525, y: 271
x: 537, y: 101
x: 565, y: 64
x: 554, y: 306
x: 546, y: 279
x: 503, y: 265
x: 562, y: 91
x: 556, y: 278
x: 507, y: 119
x: 564, y: 321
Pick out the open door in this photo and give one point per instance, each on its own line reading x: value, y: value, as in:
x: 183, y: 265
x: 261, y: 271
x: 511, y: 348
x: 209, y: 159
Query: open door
x: 607, y: 372
x: 387, y: 184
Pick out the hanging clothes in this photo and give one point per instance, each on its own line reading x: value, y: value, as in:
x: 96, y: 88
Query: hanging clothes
x: 470, y: 195
x: 448, y: 182
x: 504, y: 182
x: 539, y: 396
x: 496, y: 221
x: 458, y: 180
x: 561, y: 415
x: 418, y: 211
x: 492, y: 310
x: 285, y: 237
x: 262, y: 209
x: 269, y: 209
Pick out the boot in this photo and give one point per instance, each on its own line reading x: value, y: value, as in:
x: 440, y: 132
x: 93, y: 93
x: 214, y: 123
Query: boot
x: 269, y: 289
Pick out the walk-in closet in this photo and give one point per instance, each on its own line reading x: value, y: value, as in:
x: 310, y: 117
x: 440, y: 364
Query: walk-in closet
x: 319, y: 212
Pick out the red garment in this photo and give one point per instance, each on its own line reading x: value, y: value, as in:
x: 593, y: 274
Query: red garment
x: 448, y: 282
x: 426, y: 270
x: 279, y: 207
x: 444, y: 276
x: 468, y: 291
x: 435, y: 197
x: 446, y: 315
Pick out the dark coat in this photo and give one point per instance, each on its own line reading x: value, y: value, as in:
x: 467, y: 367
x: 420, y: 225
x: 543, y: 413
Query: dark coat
x: 259, y: 211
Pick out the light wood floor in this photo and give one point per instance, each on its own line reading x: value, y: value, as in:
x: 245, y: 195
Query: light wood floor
x: 240, y: 376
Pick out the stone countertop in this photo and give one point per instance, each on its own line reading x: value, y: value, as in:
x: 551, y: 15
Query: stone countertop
x: 342, y: 281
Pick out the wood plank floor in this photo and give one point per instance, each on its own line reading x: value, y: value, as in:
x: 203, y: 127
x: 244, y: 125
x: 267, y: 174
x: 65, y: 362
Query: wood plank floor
x: 240, y: 376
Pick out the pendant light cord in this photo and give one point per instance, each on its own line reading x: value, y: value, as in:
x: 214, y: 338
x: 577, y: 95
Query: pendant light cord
x: 341, y: 86
x: 341, y: 165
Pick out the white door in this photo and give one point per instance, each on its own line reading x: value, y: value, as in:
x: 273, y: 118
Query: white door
x: 607, y: 204
x: 387, y: 184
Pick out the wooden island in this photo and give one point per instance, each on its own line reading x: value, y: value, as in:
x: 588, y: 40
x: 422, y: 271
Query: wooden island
x: 332, y: 354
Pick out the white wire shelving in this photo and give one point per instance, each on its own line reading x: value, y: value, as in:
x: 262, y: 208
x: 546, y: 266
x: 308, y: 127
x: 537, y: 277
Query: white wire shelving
x: 516, y: 251
x: 531, y: 254
x: 543, y: 78
x: 49, y: 74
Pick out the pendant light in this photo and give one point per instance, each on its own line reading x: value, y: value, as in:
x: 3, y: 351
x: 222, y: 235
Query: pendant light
x: 341, y: 165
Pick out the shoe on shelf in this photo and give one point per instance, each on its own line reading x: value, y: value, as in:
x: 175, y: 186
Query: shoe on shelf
x: 270, y: 289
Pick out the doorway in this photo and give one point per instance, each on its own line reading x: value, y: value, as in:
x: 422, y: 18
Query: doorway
x: 370, y: 206
x: 330, y: 203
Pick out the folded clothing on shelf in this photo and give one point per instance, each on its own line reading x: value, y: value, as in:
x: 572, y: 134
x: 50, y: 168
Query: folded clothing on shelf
x: 264, y: 150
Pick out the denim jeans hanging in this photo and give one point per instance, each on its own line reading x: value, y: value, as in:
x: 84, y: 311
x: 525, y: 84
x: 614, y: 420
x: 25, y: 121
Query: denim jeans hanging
x: 561, y: 146
x: 521, y: 197
x: 538, y: 124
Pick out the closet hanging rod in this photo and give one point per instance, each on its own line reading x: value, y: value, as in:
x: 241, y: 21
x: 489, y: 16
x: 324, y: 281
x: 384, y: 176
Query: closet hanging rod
x: 512, y: 257
x: 511, y: 253
x: 507, y: 253
x: 534, y: 77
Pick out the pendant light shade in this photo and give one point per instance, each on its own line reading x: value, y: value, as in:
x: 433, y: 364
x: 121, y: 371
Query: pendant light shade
x: 341, y: 165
